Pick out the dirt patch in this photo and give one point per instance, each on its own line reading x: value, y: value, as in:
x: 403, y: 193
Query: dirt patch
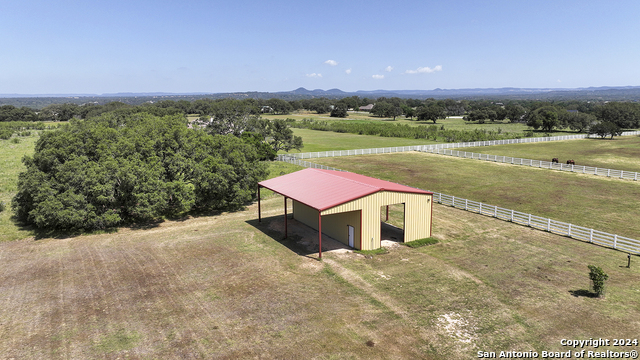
x: 458, y: 328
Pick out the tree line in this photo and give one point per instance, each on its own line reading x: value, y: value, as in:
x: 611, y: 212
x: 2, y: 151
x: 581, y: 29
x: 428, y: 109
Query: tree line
x: 120, y: 169
x: 128, y: 164
x: 430, y: 132
x: 602, y: 118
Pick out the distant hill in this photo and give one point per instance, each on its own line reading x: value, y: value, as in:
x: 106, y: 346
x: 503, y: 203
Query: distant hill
x: 604, y: 93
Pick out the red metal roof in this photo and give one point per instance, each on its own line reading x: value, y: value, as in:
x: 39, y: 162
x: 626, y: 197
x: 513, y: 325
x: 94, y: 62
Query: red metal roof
x: 324, y: 189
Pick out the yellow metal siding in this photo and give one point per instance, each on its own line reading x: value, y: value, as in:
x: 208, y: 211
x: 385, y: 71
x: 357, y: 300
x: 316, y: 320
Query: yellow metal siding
x: 334, y: 225
x: 417, y: 214
x: 305, y: 214
x: 417, y: 217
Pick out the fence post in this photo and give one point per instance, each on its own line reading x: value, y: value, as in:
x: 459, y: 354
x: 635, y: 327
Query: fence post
x: 453, y: 201
x: 636, y: 177
x: 466, y: 202
x: 591, y: 236
x: 511, y: 215
x: 569, y: 235
x: 495, y: 211
x: 608, y: 172
x: 548, y: 224
x: 595, y: 172
x: 615, y: 241
x: 529, y: 224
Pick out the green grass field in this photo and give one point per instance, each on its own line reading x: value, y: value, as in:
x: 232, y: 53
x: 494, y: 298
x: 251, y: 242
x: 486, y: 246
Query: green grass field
x: 603, y: 204
x: 11, y: 155
x: 451, y: 123
x: 314, y: 140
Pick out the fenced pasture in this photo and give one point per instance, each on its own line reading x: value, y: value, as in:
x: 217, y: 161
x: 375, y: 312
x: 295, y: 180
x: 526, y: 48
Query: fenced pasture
x: 394, y: 149
x: 586, y: 201
x: 541, y: 223
x: 227, y: 286
x: 622, y: 153
x: 541, y: 164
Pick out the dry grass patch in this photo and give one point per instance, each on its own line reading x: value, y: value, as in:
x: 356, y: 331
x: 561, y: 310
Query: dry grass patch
x: 210, y: 287
x: 491, y: 286
x: 228, y: 287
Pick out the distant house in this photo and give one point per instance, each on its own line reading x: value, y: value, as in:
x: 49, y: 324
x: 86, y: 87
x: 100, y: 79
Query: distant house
x: 366, y: 108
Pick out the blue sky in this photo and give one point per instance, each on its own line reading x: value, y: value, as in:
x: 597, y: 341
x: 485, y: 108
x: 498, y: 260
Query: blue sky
x: 96, y: 47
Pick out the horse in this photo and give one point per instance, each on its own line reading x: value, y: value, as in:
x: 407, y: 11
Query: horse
x: 571, y: 162
x: 555, y: 160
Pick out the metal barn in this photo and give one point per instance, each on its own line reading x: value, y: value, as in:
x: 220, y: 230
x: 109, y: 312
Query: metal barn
x: 347, y: 206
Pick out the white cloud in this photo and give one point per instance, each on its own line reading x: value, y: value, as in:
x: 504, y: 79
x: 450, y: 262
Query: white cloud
x: 314, y: 75
x: 378, y: 77
x: 348, y: 71
x: 331, y: 62
x: 388, y: 68
x: 424, y: 70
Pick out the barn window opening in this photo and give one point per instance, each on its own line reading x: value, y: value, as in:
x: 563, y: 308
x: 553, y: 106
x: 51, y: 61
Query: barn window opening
x: 392, y: 222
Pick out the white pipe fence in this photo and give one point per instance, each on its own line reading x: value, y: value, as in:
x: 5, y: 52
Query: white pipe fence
x: 618, y: 174
x: 333, y: 153
x: 557, y: 227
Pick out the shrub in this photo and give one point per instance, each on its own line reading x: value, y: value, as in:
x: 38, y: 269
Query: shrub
x: 598, y: 277
x: 421, y: 242
x: 2, y: 206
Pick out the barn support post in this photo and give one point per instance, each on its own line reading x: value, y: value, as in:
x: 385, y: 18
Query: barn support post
x: 319, y: 235
x: 259, y: 212
x: 387, y: 213
x: 285, y: 217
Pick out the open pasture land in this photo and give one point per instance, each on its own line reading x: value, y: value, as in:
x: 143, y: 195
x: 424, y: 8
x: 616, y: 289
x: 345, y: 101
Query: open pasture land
x: 450, y: 123
x: 228, y: 287
x: 603, y: 204
x: 621, y: 153
x: 314, y: 140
